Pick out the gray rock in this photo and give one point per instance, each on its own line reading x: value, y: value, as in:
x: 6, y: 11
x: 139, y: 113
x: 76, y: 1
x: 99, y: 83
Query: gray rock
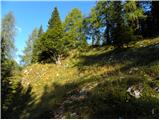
x: 73, y: 115
x: 157, y: 89
x: 135, y: 91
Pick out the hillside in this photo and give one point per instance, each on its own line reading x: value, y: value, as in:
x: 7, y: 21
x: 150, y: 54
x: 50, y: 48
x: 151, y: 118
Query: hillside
x: 100, y: 82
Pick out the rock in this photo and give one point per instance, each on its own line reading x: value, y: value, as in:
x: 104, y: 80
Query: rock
x: 135, y: 69
x: 153, y: 111
x: 73, y: 115
x: 137, y: 94
x: 135, y: 91
x: 74, y: 98
x: 122, y: 77
x: 64, y: 117
x: 67, y: 102
x: 155, y: 46
x: 120, y: 117
x: 156, y: 89
x: 83, y: 93
x: 130, y: 71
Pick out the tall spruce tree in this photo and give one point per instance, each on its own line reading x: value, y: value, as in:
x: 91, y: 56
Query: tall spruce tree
x: 93, y: 26
x: 50, y: 47
x: 40, y: 31
x: 28, y: 50
x: 8, y: 31
x: 133, y: 14
x: 54, y: 21
x: 150, y: 25
x: 8, y: 65
x: 34, y: 50
x: 155, y: 17
x: 105, y: 11
x: 73, y: 26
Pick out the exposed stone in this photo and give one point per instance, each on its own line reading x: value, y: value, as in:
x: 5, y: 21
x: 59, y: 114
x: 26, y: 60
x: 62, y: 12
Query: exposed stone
x: 135, y: 91
x: 155, y: 46
x: 153, y: 111
x: 73, y: 115
x: 130, y: 71
x: 67, y: 102
x: 156, y: 89
x: 135, y: 69
x: 64, y: 117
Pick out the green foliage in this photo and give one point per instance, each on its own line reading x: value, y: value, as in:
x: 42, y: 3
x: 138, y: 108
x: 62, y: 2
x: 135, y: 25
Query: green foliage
x: 40, y: 31
x: 105, y: 12
x: 50, y: 46
x: 35, y: 49
x: 133, y: 14
x: 8, y: 31
x: 73, y: 27
x: 118, y: 21
x: 28, y: 50
x: 92, y: 27
x: 53, y: 44
x: 122, y: 35
x: 7, y: 46
x: 8, y: 65
x: 54, y: 21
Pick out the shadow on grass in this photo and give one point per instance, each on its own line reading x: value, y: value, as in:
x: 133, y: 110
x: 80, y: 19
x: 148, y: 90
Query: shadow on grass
x: 16, y: 102
x: 108, y: 99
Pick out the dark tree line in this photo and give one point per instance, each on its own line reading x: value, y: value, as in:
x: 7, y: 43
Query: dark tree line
x: 150, y: 26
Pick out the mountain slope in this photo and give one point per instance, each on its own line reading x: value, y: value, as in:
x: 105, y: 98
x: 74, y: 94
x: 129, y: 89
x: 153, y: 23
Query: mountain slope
x: 101, y: 82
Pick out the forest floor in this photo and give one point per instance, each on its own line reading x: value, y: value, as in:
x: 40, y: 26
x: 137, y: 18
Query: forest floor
x: 101, y: 82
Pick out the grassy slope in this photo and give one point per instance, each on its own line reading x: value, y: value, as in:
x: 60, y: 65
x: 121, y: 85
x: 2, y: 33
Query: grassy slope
x: 93, y: 84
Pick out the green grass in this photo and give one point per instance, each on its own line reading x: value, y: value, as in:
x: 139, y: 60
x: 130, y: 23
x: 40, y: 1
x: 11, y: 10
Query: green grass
x: 93, y: 84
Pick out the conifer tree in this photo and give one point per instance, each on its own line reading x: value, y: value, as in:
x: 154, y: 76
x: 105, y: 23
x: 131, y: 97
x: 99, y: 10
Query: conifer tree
x: 121, y: 33
x: 50, y: 47
x: 40, y: 31
x: 8, y: 32
x: 54, y: 21
x: 28, y: 50
x: 133, y: 14
x: 73, y: 26
x: 93, y: 27
x: 34, y: 51
x: 105, y: 12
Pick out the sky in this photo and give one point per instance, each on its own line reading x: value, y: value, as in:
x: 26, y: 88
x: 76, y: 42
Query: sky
x: 32, y: 14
